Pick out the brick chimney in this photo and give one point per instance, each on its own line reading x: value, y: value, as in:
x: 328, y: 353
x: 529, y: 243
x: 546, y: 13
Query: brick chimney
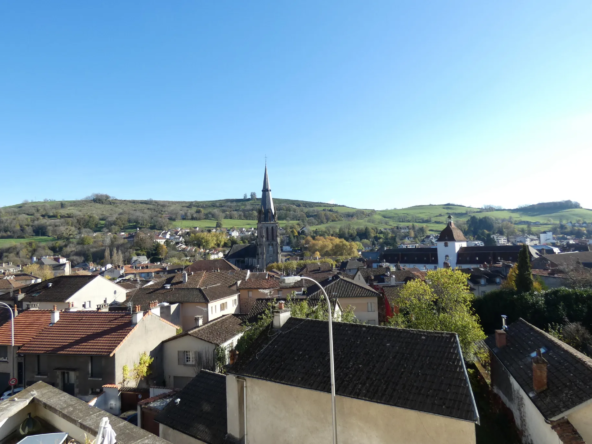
x: 500, y: 335
x: 539, y: 372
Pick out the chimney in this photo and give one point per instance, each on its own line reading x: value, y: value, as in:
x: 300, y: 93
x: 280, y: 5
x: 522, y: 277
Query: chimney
x: 500, y: 335
x: 184, y: 277
x: 15, y: 311
x: 55, y: 315
x: 539, y: 372
x: 280, y: 317
x: 137, y: 314
x: 198, y: 321
x: 281, y: 305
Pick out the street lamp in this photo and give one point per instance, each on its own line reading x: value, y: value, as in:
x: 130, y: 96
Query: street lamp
x: 12, y: 339
x: 294, y: 279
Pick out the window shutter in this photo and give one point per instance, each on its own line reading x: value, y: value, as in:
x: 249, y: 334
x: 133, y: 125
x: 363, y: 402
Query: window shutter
x: 181, y: 356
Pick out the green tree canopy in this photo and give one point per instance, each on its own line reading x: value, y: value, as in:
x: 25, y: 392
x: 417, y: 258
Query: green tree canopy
x: 524, y: 281
x: 443, y: 302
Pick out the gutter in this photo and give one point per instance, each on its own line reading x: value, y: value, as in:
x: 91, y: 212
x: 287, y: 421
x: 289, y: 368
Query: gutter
x: 478, y: 420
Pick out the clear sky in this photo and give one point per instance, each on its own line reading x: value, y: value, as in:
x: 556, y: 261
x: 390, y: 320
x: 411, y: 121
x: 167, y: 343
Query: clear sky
x: 381, y: 104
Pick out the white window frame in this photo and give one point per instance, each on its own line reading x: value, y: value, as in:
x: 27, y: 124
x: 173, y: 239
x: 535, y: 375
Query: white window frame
x: 188, y: 357
x: 224, y: 306
x: 370, y: 307
x: 250, y: 294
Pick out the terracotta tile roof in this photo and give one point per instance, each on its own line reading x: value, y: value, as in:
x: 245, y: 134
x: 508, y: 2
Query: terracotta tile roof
x: 82, y: 333
x: 429, y: 369
x: 259, y: 283
x: 569, y: 372
x: 26, y: 326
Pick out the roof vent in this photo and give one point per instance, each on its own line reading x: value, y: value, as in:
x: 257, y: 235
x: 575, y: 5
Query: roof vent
x: 167, y: 286
x: 49, y: 284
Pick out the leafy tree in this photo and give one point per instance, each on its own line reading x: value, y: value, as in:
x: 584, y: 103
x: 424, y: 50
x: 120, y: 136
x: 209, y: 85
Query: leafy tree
x: 139, y: 371
x: 330, y: 246
x: 245, y: 196
x: 107, y: 259
x: 44, y: 272
x: 524, y: 281
x: 86, y: 240
x: 253, y: 195
x: 443, y: 302
x: 219, y: 224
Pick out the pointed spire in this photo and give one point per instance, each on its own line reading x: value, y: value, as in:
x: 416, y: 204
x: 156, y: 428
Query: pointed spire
x: 267, y: 211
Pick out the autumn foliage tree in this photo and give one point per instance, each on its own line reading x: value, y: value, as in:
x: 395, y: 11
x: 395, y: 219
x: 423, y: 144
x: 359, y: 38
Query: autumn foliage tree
x: 330, y: 246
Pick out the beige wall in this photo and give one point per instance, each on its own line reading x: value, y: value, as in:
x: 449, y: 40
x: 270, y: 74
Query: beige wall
x: 188, y: 313
x: 279, y: 413
x: 176, y: 437
x: 171, y: 357
x: 146, y: 337
x: 581, y: 419
x: 360, y: 306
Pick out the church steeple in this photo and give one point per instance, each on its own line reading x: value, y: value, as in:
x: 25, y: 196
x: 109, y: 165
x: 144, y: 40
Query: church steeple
x: 267, y: 211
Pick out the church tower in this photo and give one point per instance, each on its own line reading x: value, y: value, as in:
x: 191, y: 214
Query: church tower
x: 268, y: 246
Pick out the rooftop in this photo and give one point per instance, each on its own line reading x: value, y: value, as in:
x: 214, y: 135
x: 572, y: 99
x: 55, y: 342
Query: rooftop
x: 27, y: 325
x: 211, y: 265
x: 201, y: 409
x: 57, y: 289
x: 569, y: 372
x: 82, y: 333
x: 412, y: 369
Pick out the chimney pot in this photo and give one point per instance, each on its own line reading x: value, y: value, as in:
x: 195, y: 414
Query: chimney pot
x: 281, y: 305
x: 539, y: 372
x: 500, y: 338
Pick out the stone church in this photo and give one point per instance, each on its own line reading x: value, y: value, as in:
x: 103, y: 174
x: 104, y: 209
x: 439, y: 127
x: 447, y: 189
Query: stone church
x: 267, y: 248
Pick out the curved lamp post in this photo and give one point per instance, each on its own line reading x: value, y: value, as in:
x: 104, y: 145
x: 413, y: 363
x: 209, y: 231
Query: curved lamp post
x: 294, y: 279
x: 11, y: 338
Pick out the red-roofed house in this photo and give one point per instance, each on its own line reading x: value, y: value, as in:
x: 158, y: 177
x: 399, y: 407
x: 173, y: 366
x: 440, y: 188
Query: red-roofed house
x: 26, y: 326
x: 79, y: 352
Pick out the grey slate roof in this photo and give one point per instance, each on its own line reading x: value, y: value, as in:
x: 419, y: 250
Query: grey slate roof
x: 569, y: 372
x: 57, y: 289
x: 341, y: 287
x: 201, y: 411
x: 412, y: 369
x: 144, y: 296
x: 411, y: 256
x: 491, y: 254
x: 211, y: 265
x: 219, y: 330
x: 242, y: 251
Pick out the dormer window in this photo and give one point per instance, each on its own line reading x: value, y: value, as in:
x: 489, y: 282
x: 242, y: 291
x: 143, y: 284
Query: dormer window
x: 445, y: 244
x: 447, y: 258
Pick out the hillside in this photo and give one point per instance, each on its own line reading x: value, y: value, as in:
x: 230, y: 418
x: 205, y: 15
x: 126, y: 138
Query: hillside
x: 44, y: 221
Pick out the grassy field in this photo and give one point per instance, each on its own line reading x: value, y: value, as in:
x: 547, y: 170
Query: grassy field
x: 39, y: 239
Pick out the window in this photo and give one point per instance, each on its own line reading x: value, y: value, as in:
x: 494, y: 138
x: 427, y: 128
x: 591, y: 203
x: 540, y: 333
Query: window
x: 96, y: 367
x: 234, y: 302
x: 189, y: 357
x: 370, y: 306
x: 279, y: 293
x: 447, y: 258
x: 445, y: 244
x: 223, y: 306
x: 3, y: 352
x: 371, y: 322
x: 250, y: 294
x: 212, y: 308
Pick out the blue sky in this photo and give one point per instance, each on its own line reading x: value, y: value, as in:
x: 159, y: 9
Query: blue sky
x: 382, y: 104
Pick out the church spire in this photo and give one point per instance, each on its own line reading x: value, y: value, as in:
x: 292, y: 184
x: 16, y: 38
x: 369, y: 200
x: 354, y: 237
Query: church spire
x: 267, y: 211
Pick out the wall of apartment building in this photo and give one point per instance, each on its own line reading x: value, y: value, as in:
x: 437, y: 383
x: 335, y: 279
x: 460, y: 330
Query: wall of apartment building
x: 360, y: 306
x: 248, y: 297
x: 286, y: 414
x: 78, y: 367
x: 232, y: 306
x: 147, y: 337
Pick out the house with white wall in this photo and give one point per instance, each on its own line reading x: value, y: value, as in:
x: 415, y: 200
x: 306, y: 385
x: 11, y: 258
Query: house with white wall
x: 188, y: 353
x: 68, y: 292
x: 544, y: 382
